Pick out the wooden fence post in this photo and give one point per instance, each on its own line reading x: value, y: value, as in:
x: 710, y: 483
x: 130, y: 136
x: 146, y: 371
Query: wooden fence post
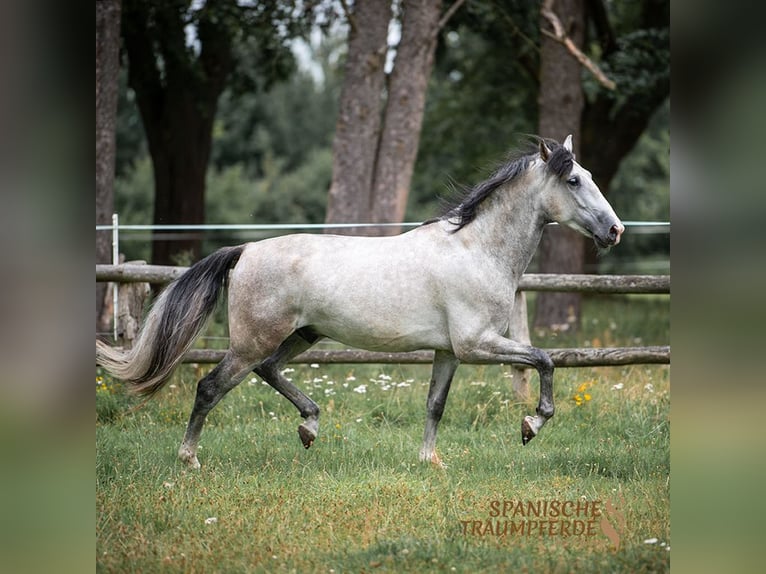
x: 519, y: 332
x: 132, y: 298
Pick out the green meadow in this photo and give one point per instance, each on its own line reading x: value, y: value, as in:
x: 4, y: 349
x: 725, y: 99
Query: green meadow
x: 589, y: 494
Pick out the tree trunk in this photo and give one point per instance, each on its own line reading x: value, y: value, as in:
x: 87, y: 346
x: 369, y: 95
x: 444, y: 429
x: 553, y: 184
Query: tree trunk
x: 177, y: 93
x: 561, y: 103
x: 403, y: 118
x: 180, y: 147
x: 377, y: 134
x: 107, y: 70
x: 357, y: 130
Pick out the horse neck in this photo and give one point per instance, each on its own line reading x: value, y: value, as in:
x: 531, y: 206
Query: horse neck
x: 510, y: 225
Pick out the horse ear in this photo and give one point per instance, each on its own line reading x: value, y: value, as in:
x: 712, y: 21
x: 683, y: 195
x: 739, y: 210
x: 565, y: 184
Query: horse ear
x: 568, y: 143
x: 545, y: 151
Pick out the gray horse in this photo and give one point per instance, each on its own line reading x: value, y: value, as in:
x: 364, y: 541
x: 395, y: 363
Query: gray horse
x: 448, y: 285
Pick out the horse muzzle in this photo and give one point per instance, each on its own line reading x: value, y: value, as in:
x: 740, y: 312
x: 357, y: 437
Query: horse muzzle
x: 611, y: 237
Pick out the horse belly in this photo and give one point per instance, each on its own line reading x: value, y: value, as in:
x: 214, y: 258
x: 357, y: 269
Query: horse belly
x: 380, y: 321
x: 385, y: 338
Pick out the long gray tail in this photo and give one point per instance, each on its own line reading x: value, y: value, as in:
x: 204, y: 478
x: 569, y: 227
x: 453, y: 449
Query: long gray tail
x: 176, y: 318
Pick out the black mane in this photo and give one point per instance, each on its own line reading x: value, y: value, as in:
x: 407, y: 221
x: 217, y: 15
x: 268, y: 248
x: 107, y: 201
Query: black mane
x: 464, y: 210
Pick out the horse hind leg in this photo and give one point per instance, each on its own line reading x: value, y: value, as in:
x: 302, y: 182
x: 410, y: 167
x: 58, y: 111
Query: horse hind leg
x: 270, y: 371
x: 210, y: 390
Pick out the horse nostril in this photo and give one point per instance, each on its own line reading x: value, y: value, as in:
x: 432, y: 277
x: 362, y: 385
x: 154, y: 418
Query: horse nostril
x: 615, y: 231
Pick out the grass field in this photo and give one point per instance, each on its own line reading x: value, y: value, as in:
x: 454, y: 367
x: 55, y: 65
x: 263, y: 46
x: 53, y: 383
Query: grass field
x: 359, y: 500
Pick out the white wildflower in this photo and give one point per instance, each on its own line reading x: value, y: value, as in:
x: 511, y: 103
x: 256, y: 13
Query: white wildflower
x: 651, y: 541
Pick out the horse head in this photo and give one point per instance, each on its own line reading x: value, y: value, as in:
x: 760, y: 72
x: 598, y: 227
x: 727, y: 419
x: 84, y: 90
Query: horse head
x: 571, y: 197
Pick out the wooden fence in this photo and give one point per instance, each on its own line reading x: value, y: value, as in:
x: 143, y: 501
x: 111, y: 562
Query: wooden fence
x: 571, y: 357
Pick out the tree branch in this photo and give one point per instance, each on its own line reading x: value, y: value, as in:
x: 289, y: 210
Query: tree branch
x: 349, y: 15
x: 448, y: 14
x: 559, y: 34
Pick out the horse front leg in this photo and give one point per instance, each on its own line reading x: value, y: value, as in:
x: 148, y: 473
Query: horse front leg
x: 444, y: 368
x: 531, y: 425
x: 495, y: 348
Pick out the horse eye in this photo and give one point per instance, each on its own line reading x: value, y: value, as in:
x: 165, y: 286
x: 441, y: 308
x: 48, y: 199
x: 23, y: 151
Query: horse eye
x: 574, y: 181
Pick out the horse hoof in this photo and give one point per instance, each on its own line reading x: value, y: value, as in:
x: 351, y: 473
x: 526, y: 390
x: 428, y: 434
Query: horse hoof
x: 437, y: 462
x: 188, y: 458
x: 434, y: 459
x: 527, y: 432
x: 307, y: 435
x: 191, y: 463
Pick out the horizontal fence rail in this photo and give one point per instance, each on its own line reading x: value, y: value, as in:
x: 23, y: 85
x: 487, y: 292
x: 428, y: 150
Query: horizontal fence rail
x: 647, y: 284
x: 575, y: 357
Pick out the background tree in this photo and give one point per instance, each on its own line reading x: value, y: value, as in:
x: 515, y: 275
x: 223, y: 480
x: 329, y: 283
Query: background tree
x: 403, y: 112
x: 380, y: 118
x: 180, y: 58
x: 561, y: 102
x: 107, y: 73
x: 636, y: 55
x: 357, y: 129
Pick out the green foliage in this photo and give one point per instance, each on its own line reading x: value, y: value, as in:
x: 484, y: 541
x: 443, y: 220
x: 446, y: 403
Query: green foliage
x: 645, y: 173
x: 289, y: 122
x: 134, y: 202
x: 639, y: 65
x: 641, y: 192
x: 277, y: 196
